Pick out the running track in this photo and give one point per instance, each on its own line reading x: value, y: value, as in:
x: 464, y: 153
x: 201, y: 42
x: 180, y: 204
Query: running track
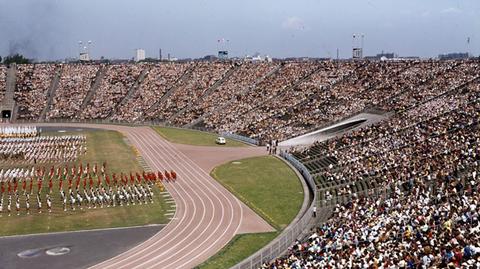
x: 207, y: 216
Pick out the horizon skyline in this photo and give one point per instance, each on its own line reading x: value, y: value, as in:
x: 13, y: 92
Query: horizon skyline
x: 51, y: 29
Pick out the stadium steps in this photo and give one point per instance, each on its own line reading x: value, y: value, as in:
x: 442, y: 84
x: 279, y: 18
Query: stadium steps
x: 10, y: 84
x: 51, y: 93
x: 93, y: 88
x: 427, y: 81
x: 285, y: 90
x: 211, y: 89
x: 8, y: 101
x: 451, y: 90
x: 200, y: 119
x: 130, y: 92
x: 314, y: 96
x: 186, y: 75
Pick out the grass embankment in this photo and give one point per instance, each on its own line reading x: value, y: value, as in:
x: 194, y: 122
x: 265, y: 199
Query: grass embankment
x: 193, y: 137
x: 240, y: 247
x: 102, y: 146
x: 268, y: 186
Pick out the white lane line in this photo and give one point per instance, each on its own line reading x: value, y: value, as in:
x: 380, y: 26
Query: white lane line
x: 171, y: 229
x: 172, y: 162
x: 164, y: 245
x: 123, y: 130
x: 207, y: 180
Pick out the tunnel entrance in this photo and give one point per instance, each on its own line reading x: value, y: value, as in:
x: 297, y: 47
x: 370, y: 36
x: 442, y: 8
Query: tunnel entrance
x: 344, y: 126
x: 6, y: 114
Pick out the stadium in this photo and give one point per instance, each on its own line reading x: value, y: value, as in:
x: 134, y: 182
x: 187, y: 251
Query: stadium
x: 241, y: 162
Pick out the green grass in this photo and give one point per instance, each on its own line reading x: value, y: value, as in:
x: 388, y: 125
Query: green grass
x: 239, y: 248
x: 193, y: 137
x: 266, y: 184
x: 102, y: 145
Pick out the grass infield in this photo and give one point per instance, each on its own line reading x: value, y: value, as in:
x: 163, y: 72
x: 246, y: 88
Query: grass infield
x: 270, y: 188
x: 237, y: 249
x: 193, y: 137
x: 102, y: 145
x: 266, y: 184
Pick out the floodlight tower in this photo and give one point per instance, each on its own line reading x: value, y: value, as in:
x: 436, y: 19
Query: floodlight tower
x: 84, y: 51
x: 357, y: 46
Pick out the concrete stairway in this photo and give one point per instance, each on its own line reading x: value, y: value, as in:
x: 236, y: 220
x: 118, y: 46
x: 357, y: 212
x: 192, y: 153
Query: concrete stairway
x: 186, y: 75
x: 130, y: 92
x: 7, y: 105
x: 93, y: 89
x: 207, y: 92
x: 200, y: 119
x: 51, y: 93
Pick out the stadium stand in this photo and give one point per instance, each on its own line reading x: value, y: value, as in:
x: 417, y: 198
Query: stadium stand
x: 402, y: 192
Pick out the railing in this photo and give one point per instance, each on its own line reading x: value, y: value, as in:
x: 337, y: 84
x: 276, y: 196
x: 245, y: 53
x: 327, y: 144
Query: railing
x: 293, y: 232
x: 241, y: 138
x: 245, y: 139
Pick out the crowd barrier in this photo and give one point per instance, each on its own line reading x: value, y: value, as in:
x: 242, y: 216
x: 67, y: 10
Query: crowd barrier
x: 245, y: 139
x: 241, y: 138
x: 288, y: 236
x: 293, y: 232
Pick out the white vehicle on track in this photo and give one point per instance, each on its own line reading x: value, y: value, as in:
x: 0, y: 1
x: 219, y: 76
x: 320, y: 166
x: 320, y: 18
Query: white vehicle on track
x: 221, y: 140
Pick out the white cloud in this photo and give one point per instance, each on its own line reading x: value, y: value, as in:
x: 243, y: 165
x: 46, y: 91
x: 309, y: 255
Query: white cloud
x: 294, y: 23
x: 451, y: 10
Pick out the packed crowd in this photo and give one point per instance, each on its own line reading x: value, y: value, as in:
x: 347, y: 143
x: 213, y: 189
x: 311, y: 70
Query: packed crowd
x: 235, y: 116
x: 202, y: 77
x: 245, y: 77
x: 432, y: 224
x: 75, y: 82
x: 159, y: 79
x: 264, y: 101
x: 78, y: 188
x: 42, y: 149
x: 33, y: 83
x: 427, y: 158
x: 116, y: 82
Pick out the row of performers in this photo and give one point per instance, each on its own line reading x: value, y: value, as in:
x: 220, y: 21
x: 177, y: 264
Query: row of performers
x: 11, y: 185
x: 111, y: 196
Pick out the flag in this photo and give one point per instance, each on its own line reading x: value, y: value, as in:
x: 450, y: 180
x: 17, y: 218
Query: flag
x: 90, y: 183
x: 39, y: 185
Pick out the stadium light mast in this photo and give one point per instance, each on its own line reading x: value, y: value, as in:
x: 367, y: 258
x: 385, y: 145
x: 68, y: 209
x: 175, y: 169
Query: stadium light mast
x: 357, y: 49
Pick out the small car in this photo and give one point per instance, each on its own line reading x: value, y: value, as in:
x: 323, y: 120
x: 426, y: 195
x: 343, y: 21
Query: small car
x: 221, y: 140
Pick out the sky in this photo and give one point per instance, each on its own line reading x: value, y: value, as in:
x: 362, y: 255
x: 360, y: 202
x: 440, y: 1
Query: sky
x: 51, y: 29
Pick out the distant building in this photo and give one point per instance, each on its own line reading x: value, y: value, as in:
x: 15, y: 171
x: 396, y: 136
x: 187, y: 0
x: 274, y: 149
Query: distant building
x: 84, y: 57
x: 139, y: 55
x: 382, y: 56
x: 222, y: 54
x: 453, y: 56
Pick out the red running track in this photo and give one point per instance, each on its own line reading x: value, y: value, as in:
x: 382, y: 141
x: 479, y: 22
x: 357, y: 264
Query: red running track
x: 207, y: 216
